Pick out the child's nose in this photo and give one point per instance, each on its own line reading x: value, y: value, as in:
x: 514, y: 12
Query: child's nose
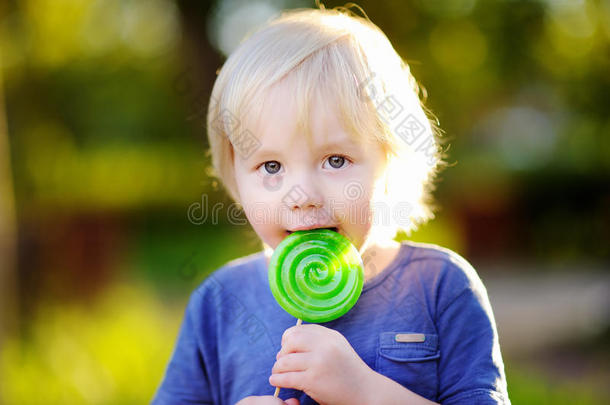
x: 303, y: 196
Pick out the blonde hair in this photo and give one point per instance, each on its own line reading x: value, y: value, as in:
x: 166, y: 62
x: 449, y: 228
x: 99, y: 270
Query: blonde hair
x: 332, y: 55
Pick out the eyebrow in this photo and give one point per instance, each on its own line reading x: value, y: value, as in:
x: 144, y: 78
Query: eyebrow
x: 348, y: 146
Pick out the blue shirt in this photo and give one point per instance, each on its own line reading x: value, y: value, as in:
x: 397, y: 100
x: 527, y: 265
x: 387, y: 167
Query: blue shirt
x: 232, y: 330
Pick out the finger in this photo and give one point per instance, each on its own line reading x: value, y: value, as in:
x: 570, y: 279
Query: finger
x: 292, y: 401
x: 311, y: 331
x: 308, y: 328
x: 295, y: 342
x: 303, y: 338
x: 265, y: 399
x: 276, y: 400
x: 291, y: 362
x: 288, y: 380
x: 291, y: 331
x: 301, y: 329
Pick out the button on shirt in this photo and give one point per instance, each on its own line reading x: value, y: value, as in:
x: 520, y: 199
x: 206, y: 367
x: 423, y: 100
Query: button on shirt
x: 425, y: 322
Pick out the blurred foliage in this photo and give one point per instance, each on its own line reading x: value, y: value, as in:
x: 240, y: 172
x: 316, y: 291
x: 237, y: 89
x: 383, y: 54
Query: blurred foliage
x: 96, y: 113
x: 528, y: 386
x: 443, y: 231
x: 105, y: 111
x: 178, y: 258
x: 112, y: 351
x: 106, y: 116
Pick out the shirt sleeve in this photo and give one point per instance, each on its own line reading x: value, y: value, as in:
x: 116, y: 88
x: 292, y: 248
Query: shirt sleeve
x: 471, y: 369
x: 186, y: 379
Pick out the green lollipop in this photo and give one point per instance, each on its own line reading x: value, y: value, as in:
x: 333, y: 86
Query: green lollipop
x: 316, y: 275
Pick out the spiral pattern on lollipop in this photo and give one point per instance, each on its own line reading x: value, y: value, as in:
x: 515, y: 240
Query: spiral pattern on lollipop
x: 317, y: 275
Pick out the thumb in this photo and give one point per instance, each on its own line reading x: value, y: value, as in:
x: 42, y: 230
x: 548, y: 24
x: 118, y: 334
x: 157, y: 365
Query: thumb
x: 292, y: 401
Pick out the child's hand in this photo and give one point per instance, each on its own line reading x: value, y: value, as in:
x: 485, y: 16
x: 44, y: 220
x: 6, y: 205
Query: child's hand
x: 267, y: 400
x: 322, y: 363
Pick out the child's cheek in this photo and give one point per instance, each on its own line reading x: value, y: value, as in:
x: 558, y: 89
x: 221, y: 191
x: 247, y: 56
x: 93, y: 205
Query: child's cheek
x: 261, y: 216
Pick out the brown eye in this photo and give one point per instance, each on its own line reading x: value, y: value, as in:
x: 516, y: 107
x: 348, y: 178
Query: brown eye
x: 336, y: 161
x: 272, y: 167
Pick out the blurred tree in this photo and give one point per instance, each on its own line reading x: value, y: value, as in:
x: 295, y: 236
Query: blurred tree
x: 201, y: 59
x: 7, y: 230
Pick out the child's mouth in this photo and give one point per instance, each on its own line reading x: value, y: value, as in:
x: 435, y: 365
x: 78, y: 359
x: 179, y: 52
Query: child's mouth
x: 334, y: 228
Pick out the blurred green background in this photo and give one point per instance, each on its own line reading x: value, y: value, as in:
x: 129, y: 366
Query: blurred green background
x: 107, y: 218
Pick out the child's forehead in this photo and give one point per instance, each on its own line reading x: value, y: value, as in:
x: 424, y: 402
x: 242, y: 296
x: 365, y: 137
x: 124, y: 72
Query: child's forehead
x: 279, y: 114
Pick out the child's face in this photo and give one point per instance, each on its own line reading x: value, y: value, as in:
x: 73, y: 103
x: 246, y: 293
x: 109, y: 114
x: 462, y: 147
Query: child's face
x: 286, y: 186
